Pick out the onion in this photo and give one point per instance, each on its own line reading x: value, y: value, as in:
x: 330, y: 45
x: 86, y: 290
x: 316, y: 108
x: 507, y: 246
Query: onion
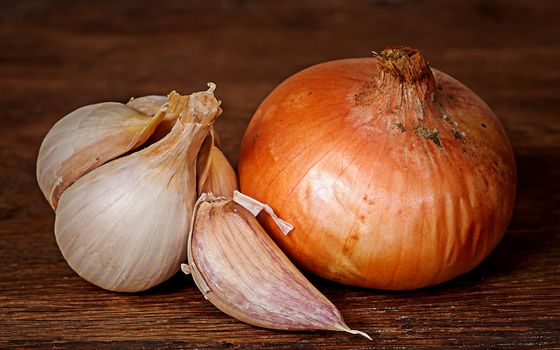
x: 395, y: 176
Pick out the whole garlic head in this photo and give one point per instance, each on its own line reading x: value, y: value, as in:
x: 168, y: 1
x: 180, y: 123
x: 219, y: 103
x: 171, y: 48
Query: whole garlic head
x: 124, y: 225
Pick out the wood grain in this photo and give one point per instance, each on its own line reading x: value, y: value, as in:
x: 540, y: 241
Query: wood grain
x: 59, y: 55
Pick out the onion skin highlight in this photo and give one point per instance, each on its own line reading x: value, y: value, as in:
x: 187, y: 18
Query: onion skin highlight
x: 395, y: 176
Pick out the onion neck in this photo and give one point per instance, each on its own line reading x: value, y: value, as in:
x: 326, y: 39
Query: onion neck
x: 404, y: 71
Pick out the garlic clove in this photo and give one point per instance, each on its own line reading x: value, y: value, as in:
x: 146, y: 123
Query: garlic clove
x: 220, y: 178
x: 87, y: 138
x: 215, y: 173
x: 243, y: 273
x: 124, y: 225
x: 149, y: 105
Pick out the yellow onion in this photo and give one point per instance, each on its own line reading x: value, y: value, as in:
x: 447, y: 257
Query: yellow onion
x: 395, y: 175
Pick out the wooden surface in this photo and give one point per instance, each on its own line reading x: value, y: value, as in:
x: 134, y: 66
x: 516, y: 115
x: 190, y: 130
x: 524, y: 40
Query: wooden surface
x: 58, y: 55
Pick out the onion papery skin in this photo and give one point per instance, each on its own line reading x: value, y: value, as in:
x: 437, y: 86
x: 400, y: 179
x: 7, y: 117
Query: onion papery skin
x: 392, y: 181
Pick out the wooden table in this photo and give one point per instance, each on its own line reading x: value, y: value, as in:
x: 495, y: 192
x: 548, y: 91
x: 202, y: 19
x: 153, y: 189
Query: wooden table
x: 58, y: 55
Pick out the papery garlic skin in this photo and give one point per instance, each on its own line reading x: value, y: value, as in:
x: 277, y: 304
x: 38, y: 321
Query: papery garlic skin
x: 242, y: 272
x: 124, y: 226
x: 87, y: 138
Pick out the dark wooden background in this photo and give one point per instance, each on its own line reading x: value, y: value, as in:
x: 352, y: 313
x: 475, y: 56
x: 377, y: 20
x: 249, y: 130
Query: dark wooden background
x: 58, y: 55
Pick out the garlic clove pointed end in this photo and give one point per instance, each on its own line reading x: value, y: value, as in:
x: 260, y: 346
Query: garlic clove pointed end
x: 347, y: 329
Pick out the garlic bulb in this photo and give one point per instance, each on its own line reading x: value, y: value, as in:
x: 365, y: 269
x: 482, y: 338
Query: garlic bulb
x: 87, y: 138
x: 242, y: 272
x: 124, y: 225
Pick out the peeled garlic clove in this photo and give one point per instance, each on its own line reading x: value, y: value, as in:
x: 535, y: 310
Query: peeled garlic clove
x: 124, y: 225
x: 215, y: 173
x: 87, y: 138
x: 242, y: 272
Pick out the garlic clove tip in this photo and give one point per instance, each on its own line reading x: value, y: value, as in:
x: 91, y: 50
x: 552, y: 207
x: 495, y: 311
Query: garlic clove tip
x: 354, y: 331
